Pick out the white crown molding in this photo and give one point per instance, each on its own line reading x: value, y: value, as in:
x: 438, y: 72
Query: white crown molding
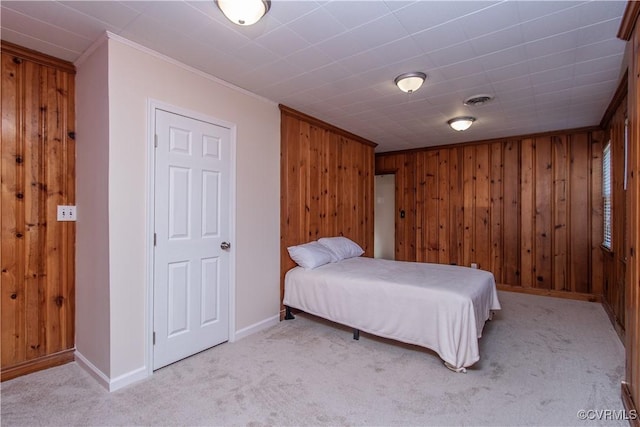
x: 107, y: 35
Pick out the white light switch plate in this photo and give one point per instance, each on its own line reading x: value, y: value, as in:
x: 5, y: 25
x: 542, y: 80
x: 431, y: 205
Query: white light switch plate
x: 67, y: 213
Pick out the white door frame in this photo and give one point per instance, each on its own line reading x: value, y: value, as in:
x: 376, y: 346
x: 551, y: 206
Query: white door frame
x: 152, y: 106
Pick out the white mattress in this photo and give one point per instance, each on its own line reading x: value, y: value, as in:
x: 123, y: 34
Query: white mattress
x: 437, y: 306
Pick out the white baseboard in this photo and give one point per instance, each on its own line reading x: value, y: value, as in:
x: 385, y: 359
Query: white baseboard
x: 257, y: 327
x: 96, y: 373
x: 113, y: 384
x: 106, y: 382
x: 128, y: 378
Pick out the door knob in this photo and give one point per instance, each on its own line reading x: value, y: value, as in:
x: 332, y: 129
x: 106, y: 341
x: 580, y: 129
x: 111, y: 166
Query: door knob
x: 225, y: 245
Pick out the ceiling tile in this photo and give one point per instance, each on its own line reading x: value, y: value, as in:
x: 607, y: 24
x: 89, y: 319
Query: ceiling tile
x: 553, y: 44
x: 316, y: 26
x: 287, y: 11
x: 282, y: 41
x: 497, y: 41
x: 352, y: 14
x: 549, y: 64
x: 422, y: 15
x: 39, y: 30
x: 117, y: 15
x: 453, y: 54
x: 503, y: 58
x: 38, y: 44
x: 397, y: 51
x: 532, y: 10
x: 550, y: 25
x: 440, y: 37
x: 496, y: 17
x: 598, y: 50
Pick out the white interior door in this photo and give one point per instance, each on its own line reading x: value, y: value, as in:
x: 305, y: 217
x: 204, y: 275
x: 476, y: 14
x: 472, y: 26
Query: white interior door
x: 191, y: 219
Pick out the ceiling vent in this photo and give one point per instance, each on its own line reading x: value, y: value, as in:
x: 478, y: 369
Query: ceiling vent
x: 476, y: 100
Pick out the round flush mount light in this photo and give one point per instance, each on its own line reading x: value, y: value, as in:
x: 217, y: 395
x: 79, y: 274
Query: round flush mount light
x: 477, y: 100
x: 461, y: 123
x: 244, y: 12
x: 410, y: 82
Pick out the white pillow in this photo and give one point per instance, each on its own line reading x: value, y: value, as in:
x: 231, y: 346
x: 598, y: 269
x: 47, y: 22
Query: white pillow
x: 341, y: 247
x: 310, y: 255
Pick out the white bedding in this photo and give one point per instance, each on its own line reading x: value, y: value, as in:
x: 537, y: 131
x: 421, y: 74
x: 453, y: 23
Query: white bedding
x: 437, y: 306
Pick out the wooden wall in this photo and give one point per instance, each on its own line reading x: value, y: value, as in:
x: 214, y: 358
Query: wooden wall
x: 631, y: 386
x: 38, y: 173
x: 528, y: 209
x: 615, y: 259
x: 327, y: 178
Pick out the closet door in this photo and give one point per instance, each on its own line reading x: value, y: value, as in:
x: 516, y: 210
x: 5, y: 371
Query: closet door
x: 37, y: 252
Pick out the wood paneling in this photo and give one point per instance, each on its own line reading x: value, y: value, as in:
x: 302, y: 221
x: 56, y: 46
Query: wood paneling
x: 615, y: 259
x: 327, y: 178
x: 515, y: 207
x: 631, y: 386
x: 38, y: 174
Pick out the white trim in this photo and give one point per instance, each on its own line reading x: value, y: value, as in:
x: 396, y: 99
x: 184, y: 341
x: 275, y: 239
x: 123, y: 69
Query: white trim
x: 112, y: 36
x: 128, y: 379
x: 96, y: 373
x: 257, y: 327
x: 110, y: 384
x: 150, y: 226
x: 152, y: 106
x: 95, y: 45
x: 232, y: 236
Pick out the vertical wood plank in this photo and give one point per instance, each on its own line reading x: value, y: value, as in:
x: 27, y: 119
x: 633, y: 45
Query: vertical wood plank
x: 410, y: 207
x: 315, y: 176
x: 468, y: 195
x: 456, y: 241
x: 53, y: 300
x: 597, y: 221
x: 512, y: 233
x: 334, y: 185
x: 444, y: 255
x: 496, y: 209
x: 42, y: 241
x: 482, y: 215
x: 422, y: 208
x: 69, y: 126
x: 431, y: 205
x: 560, y: 212
x: 12, y: 249
x: 527, y: 211
x: 543, y: 213
x: 369, y: 195
x: 580, y: 248
x: 289, y: 222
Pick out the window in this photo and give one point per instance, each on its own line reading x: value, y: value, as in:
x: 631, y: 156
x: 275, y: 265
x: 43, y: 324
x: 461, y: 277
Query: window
x: 606, y: 194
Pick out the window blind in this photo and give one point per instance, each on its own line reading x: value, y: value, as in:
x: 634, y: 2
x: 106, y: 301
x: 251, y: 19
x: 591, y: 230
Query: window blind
x: 606, y: 194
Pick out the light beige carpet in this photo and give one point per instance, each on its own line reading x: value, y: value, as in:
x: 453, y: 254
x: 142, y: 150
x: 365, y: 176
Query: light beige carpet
x: 542, y: 361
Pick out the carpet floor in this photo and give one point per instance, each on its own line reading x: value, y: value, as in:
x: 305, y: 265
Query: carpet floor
x: 542, y: 361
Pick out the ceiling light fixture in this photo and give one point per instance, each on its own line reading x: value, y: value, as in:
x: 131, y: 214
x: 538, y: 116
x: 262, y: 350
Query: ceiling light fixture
x: 410, y: 82
x: 244, y: 12
x: 461, y: 123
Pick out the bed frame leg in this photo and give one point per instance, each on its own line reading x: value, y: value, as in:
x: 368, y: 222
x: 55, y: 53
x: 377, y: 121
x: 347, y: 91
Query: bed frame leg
x: 287, y: 314
x: 356, y: 334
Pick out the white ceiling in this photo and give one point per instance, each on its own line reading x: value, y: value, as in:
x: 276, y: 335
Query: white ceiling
x: 551, y: 65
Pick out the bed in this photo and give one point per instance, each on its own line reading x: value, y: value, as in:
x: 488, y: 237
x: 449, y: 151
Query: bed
x: 440, y: 307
